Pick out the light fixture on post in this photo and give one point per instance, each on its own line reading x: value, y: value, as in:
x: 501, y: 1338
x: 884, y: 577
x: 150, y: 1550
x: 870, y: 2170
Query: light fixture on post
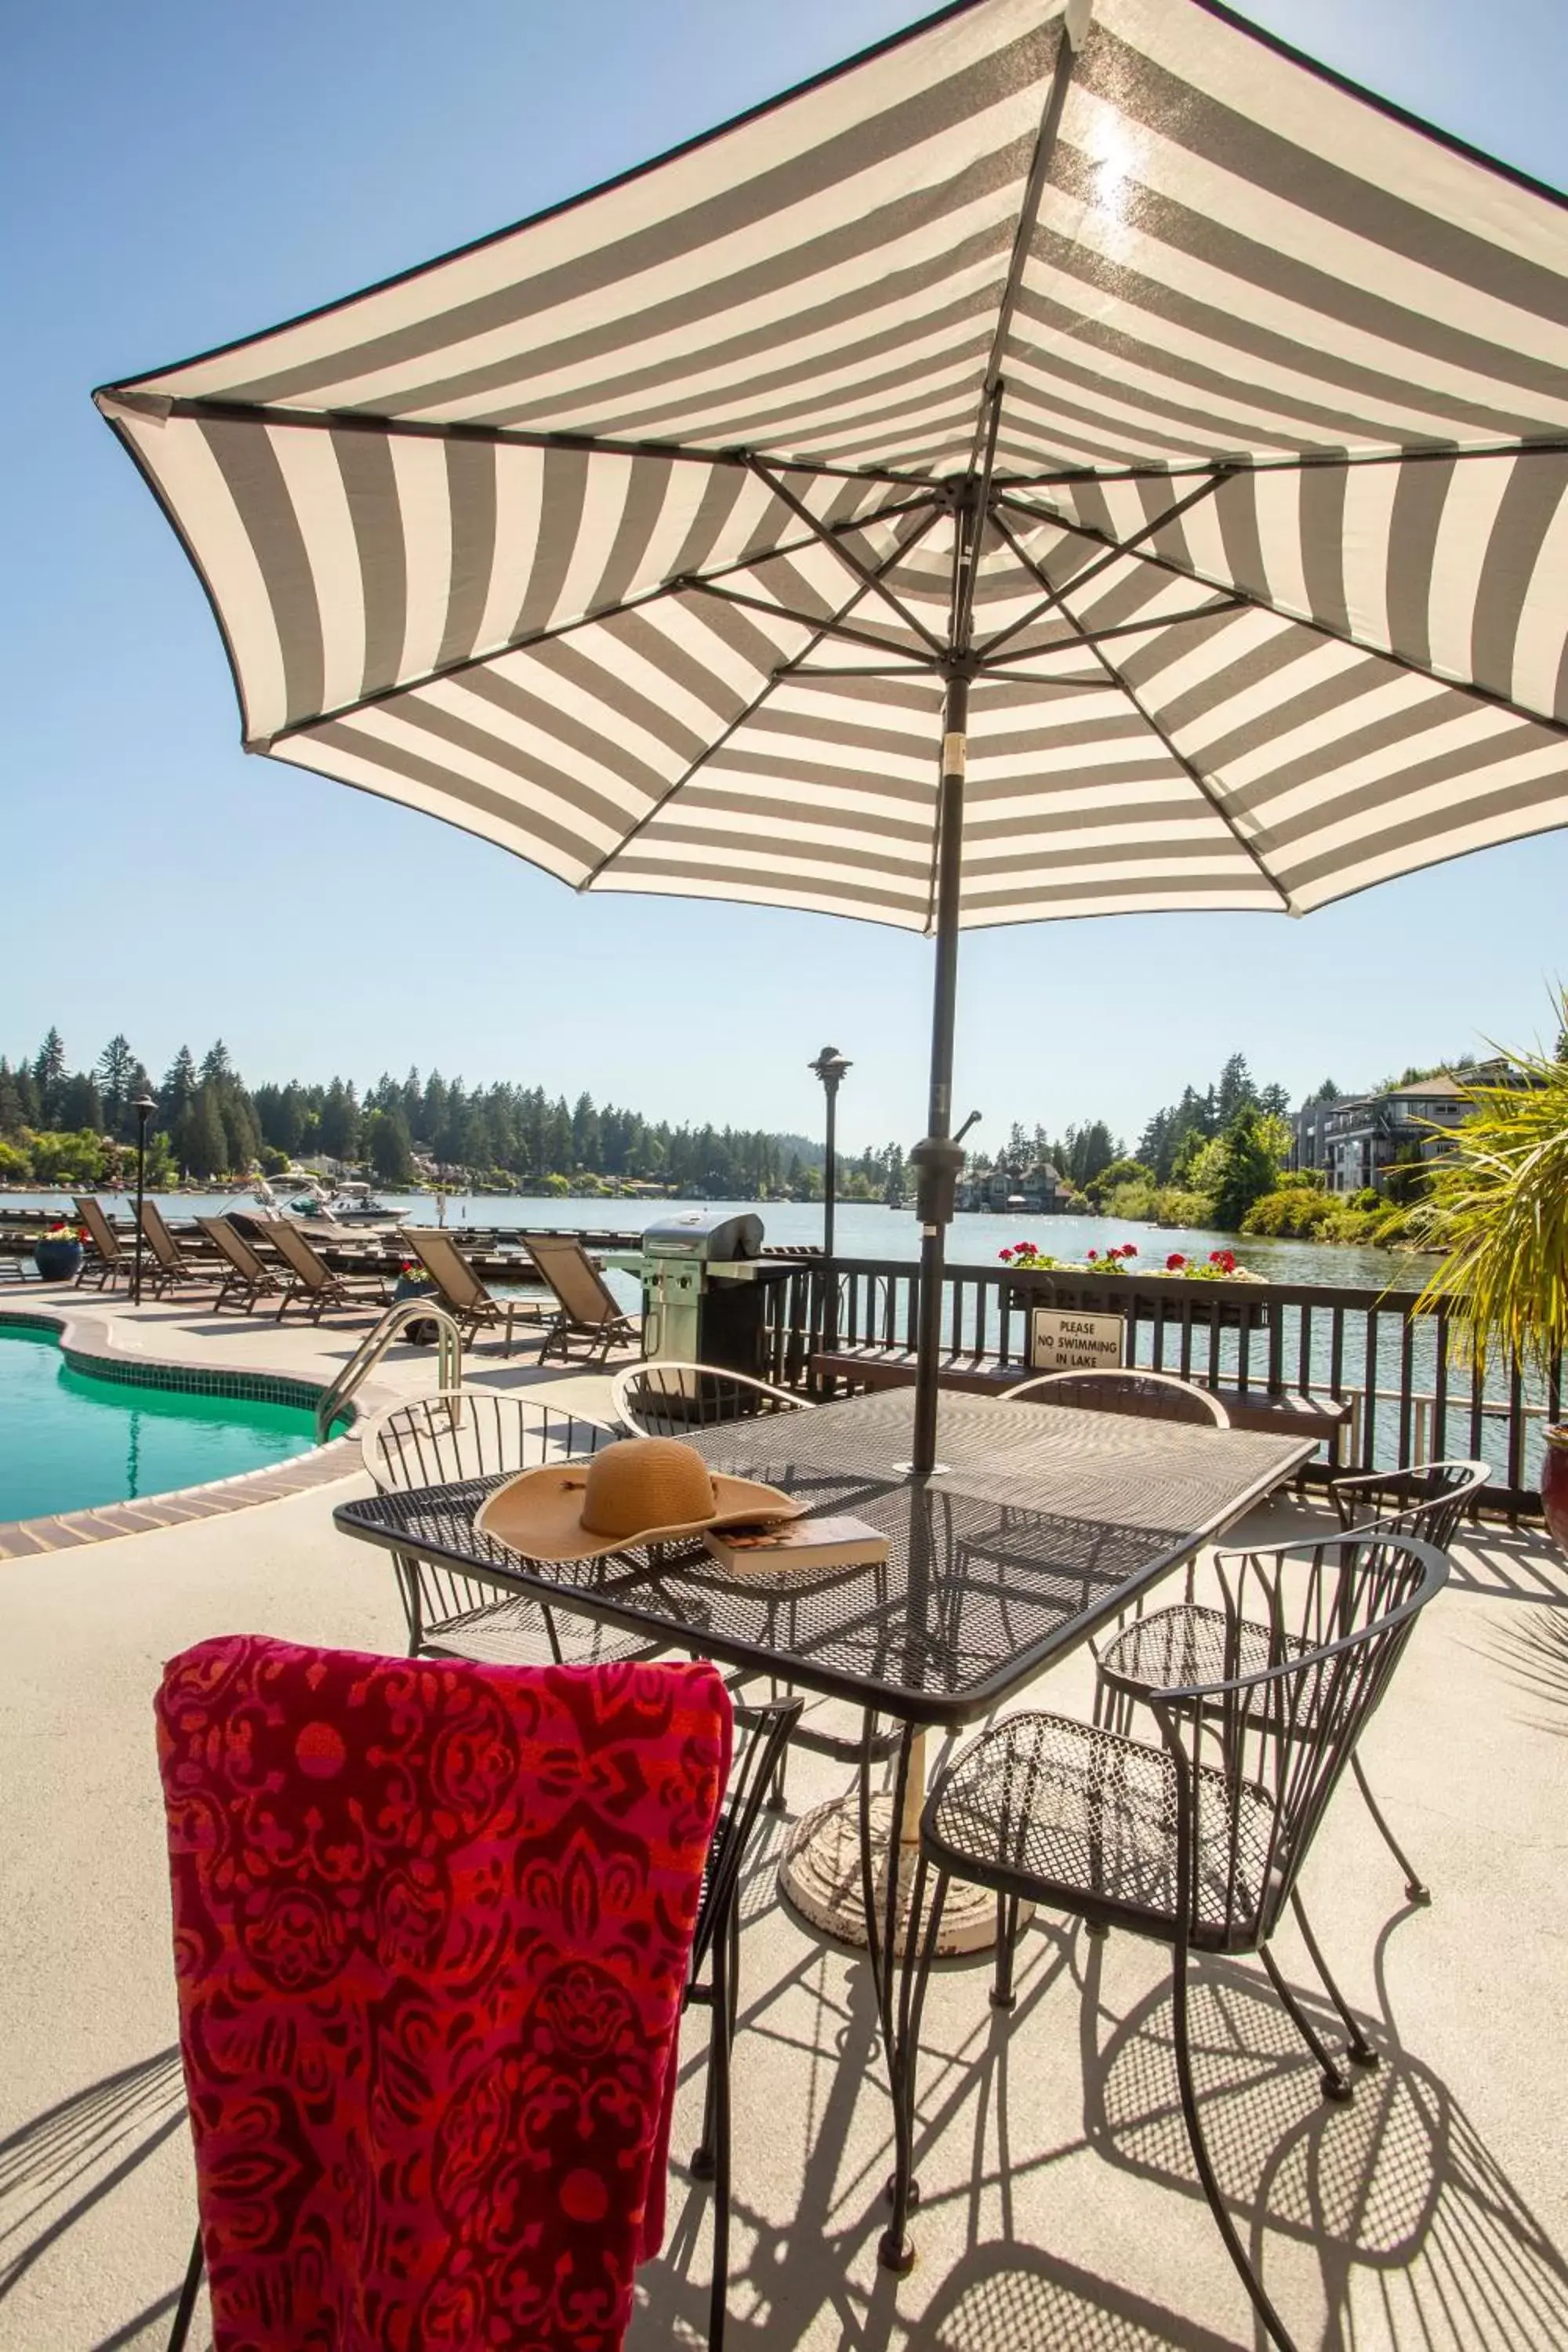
x: 143, y: 1106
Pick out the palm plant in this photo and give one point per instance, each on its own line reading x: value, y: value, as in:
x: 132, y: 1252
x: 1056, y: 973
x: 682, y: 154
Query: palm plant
x: 1497, y: 1208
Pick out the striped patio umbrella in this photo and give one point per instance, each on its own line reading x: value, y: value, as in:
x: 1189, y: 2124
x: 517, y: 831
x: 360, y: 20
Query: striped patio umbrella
x: 1070, y: 460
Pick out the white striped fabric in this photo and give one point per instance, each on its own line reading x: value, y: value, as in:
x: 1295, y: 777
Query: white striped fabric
x: 625, y: 539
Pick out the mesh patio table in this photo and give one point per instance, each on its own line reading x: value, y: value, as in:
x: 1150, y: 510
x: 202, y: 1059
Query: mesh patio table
x: 1041, y: 1524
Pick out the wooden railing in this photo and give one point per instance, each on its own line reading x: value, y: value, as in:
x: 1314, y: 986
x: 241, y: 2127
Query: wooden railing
x: 1410, y: 1396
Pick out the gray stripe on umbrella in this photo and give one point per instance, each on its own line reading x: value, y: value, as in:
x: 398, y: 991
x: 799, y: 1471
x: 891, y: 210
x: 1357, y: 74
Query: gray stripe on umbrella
x: 741, y: 204
x: 1526, y: 511
x: 249, y: 464
x: 370, y: 485
x: 1337, y: 193
x: 472, y: 495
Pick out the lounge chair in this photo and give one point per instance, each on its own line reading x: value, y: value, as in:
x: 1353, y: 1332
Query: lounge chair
x: 245, y: 1275
x: 110, y: 1258
x: 466, y: 1299
x: 586, y: 1306
x: 311, y: 1278
x: 170, y: 1267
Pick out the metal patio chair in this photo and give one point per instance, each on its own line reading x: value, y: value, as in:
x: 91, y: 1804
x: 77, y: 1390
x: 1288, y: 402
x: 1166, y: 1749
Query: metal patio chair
x: 584, y: 1303
x: 1197, y: 1843
x: 244, y: 1274
x: 110, y: 1259
x: 666, y: 1398
x: 473, y: 1432
x: 1156, y: 1396
x: 472, y: 1305
x: 1189, y: 1642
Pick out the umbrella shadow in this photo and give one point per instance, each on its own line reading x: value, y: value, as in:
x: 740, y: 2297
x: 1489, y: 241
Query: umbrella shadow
x: 1533, y: 1655
x: 1404, y: 2205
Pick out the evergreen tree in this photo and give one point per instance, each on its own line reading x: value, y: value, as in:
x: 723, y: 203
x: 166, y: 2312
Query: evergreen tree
x: 1247, y: 1166
x: 178, y: 1090
x: 50, y: 1076
x: 199, y: 1139
x: 115, y: 1072
x: 77, y: 1107
x: 1235, y: 1087
x: 340, y: 1122
x: 391, y: 1151
x: 215, y: 1065
x: 12, y: 1118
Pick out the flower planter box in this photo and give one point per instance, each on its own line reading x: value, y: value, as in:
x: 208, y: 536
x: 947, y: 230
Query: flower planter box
x: 1112, y: 1294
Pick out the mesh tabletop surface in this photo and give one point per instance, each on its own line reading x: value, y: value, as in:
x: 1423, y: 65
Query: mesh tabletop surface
x: 1045, y: 1523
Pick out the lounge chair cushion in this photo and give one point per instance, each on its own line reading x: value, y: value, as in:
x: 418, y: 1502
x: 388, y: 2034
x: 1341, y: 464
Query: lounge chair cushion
x: 432, y: 1926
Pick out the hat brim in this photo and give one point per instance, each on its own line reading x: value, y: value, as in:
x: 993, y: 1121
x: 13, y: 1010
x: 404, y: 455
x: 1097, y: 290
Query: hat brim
x: 540, y: 1514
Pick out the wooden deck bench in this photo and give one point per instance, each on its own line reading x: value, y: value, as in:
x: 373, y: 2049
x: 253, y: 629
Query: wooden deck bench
x: 1278, y: 1413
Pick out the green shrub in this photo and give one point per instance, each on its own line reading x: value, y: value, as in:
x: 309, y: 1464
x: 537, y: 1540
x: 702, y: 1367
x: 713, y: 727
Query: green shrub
x: 1292, y: 1210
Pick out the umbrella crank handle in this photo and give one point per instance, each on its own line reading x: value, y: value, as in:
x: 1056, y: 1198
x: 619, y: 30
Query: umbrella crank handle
x: 972, y: 1120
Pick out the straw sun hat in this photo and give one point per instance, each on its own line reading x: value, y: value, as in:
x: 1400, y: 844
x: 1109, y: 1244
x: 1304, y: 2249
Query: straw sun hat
x: 641, y: 1490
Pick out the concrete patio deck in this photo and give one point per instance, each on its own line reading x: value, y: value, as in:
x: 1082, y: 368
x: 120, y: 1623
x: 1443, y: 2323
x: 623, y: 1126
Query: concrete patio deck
x: 1060, y: 2206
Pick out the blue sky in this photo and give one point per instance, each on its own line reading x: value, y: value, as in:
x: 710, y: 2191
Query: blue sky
x: 178, y: 175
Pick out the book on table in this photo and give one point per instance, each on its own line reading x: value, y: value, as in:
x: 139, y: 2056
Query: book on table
x: 789, y: 1544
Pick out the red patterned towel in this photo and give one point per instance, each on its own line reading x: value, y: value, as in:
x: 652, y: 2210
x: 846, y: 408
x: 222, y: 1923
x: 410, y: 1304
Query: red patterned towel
x: 432, y: 1925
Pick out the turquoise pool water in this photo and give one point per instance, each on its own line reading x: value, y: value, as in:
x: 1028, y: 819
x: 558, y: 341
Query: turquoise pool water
x: 68, y: 1441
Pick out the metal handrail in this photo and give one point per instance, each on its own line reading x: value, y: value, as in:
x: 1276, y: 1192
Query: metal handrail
x: 375, y: 1345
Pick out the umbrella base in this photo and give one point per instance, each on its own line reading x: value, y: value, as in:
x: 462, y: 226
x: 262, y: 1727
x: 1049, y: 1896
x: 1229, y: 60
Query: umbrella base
x: 820, y: 1879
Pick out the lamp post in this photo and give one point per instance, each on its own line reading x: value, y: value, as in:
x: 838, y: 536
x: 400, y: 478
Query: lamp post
x: 143, y: 1108
x: 829, y: 1066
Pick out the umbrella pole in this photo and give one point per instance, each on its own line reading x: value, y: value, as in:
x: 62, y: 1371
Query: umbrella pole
x: 938, y: 1158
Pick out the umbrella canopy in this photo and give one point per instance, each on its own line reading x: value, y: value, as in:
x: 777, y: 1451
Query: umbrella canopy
x: 1064, y: 462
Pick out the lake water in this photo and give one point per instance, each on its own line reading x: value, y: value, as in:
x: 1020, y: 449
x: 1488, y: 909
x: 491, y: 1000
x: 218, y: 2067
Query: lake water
x: 866, y: 1232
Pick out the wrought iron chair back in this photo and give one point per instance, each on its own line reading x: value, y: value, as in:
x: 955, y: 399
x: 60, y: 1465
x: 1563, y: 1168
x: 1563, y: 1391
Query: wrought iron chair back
x: 667, y: 1399
x: 1258, y: 1753
x: 1427, y: 1499
x: 1159, y: 1396
x: 445, y: 1441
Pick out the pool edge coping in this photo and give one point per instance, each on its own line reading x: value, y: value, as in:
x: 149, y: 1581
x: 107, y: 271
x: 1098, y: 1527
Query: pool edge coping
x: 95, y: 1339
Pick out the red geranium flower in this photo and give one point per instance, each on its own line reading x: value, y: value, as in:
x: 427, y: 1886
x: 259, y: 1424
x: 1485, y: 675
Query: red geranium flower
x: 1005, y: 1255
x: 1129, y: 1249
x: 1174, y: 1262
x: 1092, y: 1256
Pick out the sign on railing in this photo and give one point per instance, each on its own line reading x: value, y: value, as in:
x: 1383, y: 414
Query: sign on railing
x: 1073, y: 1343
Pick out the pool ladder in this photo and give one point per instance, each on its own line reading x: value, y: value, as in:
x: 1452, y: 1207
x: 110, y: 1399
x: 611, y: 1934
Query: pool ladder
x: 375, y: 1345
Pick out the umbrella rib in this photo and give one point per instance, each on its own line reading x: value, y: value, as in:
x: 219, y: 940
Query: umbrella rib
x: 741, y: 718
x: 1245, y: 596
x: 852, y: 564
x: 162, y: 405
x: 464, y: 662
x: 1192, y: 773
x: 1122, y: 547
x: 1074, y: 26
x: 832, y: 627
x: 1128, y: 628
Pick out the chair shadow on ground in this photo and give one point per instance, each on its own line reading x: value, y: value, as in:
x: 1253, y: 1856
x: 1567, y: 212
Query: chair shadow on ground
x: 1407, y: 2212
x: 56, y: 2167
x: 1417, y: 2236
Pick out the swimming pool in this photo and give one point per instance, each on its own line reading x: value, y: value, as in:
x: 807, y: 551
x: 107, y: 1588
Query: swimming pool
x: 70, y: 1440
